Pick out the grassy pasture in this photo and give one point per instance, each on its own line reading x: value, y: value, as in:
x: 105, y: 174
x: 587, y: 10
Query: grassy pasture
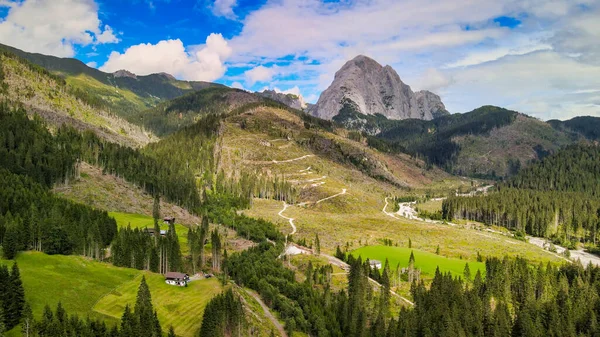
x: 75, y: 281
x: 99, y: 290
x: 426, y: 261
x: 144, y: 221
x: 181, y: 307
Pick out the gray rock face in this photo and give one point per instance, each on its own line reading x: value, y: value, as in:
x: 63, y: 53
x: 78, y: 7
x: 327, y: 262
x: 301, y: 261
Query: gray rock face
x: 124, y: 73
x: 293, y: 101
x: 364, y: 86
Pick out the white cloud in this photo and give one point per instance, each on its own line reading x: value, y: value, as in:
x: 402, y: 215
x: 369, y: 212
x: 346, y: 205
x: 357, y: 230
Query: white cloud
x: 201, y: 63
x: 433, y: 80
x: 224, y: 8
x: 430, y: 43
x: 237, y: 85
x: 53, y: 27
x: 260, y: 74
x: 92, y: 64
x: 544, y: 84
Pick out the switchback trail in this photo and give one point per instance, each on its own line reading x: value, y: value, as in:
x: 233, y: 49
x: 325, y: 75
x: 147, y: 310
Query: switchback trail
x: 291, y: 220
x: 291, y: 160
x: 386, y: 212
x: 333, y: 196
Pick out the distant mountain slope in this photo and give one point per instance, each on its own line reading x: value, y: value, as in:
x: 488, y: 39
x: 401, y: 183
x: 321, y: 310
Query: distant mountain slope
x: 367, y: 88
x: 488, y: 141
x: 121, y: 91
x: 291, y: 100
x: 50, y: 97
x: 170, y: 116
x: 583, y: 126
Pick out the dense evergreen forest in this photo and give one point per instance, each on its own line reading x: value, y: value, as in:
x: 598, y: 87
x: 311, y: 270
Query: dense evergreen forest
x: 12, y: 298
x: 557, y: 198
x: 31, y: 217
x: 513, y: 299
x: 586, y: 126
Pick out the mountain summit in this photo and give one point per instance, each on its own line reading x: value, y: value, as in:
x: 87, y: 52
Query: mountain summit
x: 364, y: 86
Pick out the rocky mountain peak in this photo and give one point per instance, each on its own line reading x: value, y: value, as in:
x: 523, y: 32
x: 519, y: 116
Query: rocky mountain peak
x: 124, y: 73
x: 291, y: 100
x: 167, y: 76
x: 366, y: 87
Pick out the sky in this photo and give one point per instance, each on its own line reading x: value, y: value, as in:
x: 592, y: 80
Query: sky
x: 539, y: 57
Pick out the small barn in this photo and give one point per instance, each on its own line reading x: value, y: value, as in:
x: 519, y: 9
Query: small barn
x: 375, y: 264
x: 149, y: 231
x: 169, y: 220
x: 177, y: 279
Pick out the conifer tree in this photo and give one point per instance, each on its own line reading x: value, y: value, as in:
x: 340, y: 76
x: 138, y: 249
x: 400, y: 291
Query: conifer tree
x: 10, y: 244
x: 467, y: 273
x: 27, y: 328
x: 2, y: 325
x: 144, y: 313
x: 317, y: 245
x: 385, y: 289
x: 15, y: 299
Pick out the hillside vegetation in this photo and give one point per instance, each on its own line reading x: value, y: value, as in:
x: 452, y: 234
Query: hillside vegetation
x: 58, y: 103
x: 487, y: 142
x: 556, y: 198
x: 121, y: 93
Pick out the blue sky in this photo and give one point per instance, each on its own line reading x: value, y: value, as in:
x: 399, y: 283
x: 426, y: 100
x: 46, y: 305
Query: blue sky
x: 540, y: 57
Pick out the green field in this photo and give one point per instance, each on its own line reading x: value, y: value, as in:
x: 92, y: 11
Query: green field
x: 75, y: 281
x: 181, y: 307
x: 143, y: 221
x: 426, y: 261
x: 99, y: 290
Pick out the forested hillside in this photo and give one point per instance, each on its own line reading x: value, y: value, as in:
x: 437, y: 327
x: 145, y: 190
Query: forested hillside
x: 556, y: 198
x: 489, y: 142
x: 583, y: 126
x: 31, y: 161
x: 58, y: 103
x: 123, y: 94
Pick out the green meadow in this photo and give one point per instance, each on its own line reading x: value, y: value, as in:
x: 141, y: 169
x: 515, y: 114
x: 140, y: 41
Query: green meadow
x: 77, y: 282
x: 144, y: 221
x: 181, y: 307
x: 99, y: 290
x: 427, y: 262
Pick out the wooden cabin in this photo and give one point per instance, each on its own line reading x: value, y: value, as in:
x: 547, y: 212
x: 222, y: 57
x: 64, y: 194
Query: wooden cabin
x: 177, y: 279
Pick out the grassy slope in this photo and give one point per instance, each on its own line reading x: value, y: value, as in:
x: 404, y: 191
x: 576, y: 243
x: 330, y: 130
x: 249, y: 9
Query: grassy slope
x: 100, y: 290
x: 75, y: 281
x: 357, y: 216
x: 426, y: 261
x: 181, y: 307
x: 144, y: 221
x: 52, y: 101
x: 114, y: 194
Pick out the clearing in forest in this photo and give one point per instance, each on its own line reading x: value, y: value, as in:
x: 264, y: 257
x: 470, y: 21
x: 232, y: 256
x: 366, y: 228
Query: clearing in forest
x: 426, y: 261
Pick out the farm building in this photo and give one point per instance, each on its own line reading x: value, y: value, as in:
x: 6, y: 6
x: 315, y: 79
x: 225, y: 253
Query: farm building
x: 152, y: 232
x: 375, y: 264
x: 177, y: 279
x: 169, y: 220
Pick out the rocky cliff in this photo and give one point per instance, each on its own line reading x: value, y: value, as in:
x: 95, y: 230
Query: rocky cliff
x: 291, y: 100
x: 364, y: 86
